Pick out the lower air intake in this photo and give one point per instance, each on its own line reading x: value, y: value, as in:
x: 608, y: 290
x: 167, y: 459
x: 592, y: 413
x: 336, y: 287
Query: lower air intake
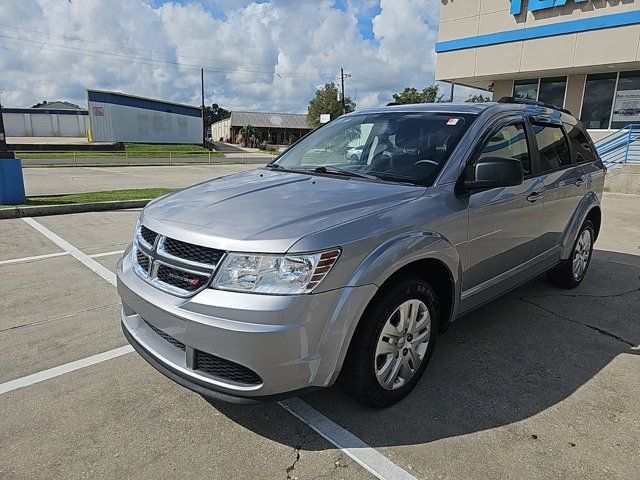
x: 225, y: 369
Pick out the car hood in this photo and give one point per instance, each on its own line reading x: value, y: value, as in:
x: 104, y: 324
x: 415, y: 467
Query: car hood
x: 266, y: 210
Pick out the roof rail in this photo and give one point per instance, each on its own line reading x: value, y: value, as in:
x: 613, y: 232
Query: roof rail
x: 527, y: 101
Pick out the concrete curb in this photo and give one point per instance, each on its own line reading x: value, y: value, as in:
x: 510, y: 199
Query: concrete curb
x: 44, y: 210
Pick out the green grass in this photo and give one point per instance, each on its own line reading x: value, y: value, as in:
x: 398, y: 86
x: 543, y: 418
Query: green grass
x: 92, y: 197
x: 131, y: 150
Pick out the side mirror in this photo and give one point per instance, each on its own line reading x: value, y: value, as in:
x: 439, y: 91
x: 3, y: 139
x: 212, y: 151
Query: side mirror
x: 494, y: 172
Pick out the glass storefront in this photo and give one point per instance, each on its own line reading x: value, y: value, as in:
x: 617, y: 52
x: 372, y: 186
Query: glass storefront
x: 626, y: 106
x: 526, y: 89
x: 549, y: 90
x: 610, y: 100
x: 598, y: 100
x: 552, y: 90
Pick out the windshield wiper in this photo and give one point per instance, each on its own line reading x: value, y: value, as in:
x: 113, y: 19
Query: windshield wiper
x: 345, y: 173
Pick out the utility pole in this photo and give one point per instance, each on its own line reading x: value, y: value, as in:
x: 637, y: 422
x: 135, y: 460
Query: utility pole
x: 452, y: 87
x: 342, y: 77
x: 204, y: 127
x: 344, y: 109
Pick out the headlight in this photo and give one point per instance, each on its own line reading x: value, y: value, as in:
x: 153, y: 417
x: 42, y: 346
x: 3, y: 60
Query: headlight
x: 274, y: 274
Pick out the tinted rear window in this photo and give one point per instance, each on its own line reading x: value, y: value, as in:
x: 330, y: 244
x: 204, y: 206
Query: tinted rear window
x: 579, y: 143
x: 553, y: 146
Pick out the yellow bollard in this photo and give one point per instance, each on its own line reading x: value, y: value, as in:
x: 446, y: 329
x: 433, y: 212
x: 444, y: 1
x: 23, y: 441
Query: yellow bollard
x: 170, y: 161
x: 75, y: 161
x: 209, y: 157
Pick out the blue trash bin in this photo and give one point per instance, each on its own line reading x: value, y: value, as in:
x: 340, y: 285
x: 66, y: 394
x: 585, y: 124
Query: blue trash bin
x: 11, y: 182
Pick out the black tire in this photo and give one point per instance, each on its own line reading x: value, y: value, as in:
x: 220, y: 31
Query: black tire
x: 358, y: 376
x: 564, y: 276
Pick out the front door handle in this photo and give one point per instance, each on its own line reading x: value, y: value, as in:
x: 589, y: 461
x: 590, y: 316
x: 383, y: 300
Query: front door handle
x: 534, y: 197
x: 579, y: 181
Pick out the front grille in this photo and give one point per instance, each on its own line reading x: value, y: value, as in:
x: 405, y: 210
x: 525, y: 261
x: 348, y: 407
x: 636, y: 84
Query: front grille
x: 143, y: 261
x: 181, y: 279
x: 149, y: 236
x: 193, y: 253
x: 225, y: 369
x: 166, y: 337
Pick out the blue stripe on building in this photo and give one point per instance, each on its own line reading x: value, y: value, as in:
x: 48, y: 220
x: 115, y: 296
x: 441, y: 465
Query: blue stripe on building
x: 542, y: 31
x: 144, y: 103
x: 43, y: 111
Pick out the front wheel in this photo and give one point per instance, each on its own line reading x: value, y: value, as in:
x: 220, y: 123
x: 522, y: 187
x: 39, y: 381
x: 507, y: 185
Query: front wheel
x: 573, y: 271
x: 392, y: 345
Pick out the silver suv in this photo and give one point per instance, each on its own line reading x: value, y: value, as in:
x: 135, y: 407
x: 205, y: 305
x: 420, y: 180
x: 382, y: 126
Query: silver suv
x: 324, y: 266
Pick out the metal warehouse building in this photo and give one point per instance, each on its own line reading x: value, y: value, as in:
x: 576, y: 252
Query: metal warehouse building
x: 45, y: 122
x: 277, y: 128
x: 117, y: 117
x: 580, y: 54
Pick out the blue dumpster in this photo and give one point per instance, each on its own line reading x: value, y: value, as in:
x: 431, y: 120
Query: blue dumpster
x: 11, y: 182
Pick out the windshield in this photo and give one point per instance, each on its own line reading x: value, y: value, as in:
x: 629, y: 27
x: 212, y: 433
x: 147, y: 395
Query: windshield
x: 391, y: 146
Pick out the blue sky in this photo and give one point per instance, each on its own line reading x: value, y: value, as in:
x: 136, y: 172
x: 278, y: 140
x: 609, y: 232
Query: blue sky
x: 257, y: 55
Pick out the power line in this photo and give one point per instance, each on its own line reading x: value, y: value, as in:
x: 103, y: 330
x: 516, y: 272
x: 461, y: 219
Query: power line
x: 78, y: 39
x: 142, y: 60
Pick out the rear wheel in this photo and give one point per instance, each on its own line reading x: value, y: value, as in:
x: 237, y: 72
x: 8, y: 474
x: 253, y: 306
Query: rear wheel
x: 392, y: 345
x: 573, y: 271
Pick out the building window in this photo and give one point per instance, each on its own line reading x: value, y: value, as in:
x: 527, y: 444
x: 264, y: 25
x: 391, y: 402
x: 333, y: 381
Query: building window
x: 552, y: 90
x: 626, y: 107
x: 598, y: 99
x: 526, y: 89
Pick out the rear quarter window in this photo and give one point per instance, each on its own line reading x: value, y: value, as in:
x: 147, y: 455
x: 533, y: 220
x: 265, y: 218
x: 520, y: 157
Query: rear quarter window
x: 580, y: 144
x: 553, y: 147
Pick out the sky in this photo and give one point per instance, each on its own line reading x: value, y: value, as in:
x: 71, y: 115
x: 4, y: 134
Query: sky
x: 257, y: 55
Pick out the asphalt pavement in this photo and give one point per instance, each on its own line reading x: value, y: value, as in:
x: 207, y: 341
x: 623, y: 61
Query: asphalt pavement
x: 540, y: 384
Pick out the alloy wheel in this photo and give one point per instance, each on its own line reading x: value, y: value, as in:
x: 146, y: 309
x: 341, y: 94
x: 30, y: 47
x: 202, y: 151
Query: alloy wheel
x: 402, y: 344
x: 581, y: 254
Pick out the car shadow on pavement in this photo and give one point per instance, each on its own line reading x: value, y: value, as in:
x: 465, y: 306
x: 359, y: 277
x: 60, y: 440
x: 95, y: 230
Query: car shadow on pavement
x: 503, y: 363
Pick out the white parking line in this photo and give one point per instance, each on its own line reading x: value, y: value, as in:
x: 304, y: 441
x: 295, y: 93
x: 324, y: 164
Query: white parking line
x: 54, y: 255
x: 31, y: 259
x: 62, y: 369
x: 104, y: 272
x: 352, y: 446
x: 106, y: 254
x: 367, y: 457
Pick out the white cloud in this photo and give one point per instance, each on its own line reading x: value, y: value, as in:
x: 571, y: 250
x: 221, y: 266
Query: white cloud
x: 258, y: 56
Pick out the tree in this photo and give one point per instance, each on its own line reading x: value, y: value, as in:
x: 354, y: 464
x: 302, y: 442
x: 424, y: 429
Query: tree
x: 215, y: 113
x: 326, y: 101
x: 477, y: 98
x: 413, y: 95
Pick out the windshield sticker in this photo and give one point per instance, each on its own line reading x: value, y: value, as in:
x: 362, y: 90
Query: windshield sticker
x: 453, y: 121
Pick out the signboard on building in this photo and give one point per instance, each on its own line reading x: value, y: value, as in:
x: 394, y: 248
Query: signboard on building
x: 534, y: 5
x: 626, y: 107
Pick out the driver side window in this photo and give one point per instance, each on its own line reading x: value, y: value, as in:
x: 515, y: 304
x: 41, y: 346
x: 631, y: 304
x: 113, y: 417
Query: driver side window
x: 510, y: 141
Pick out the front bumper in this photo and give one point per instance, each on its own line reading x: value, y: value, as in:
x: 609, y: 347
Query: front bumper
x: 291, y: 342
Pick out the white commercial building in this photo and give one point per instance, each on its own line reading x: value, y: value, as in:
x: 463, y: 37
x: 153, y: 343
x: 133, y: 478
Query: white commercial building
x: 45, y: 122
x: 580, y: 54
x: 117, y: 117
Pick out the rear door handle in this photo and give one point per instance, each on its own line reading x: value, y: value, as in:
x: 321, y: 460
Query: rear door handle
x: 534, y: 197
x: 579, y: 181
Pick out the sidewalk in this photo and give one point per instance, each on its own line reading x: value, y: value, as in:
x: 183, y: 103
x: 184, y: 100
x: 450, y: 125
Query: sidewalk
x: 52, y: 181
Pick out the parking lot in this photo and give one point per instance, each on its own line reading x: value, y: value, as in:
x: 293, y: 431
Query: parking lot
x: 542, y: 383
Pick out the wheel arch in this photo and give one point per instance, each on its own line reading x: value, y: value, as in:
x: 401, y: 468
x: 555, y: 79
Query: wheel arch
x: 588, y: 208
